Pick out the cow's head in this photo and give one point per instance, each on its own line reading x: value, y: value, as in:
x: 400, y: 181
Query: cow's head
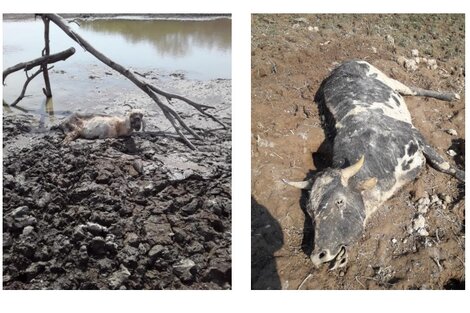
x: 337, y: 209
x: 136, y: 119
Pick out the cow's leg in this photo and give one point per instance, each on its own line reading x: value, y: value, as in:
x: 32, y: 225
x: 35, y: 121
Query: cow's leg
x: 438, y: 162
x: 415, y: 91
x: 446, y: 96
x: 410, y: 91
x: 71, y: 136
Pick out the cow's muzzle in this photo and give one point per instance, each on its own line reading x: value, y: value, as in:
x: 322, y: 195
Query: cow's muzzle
x: 339, y: 259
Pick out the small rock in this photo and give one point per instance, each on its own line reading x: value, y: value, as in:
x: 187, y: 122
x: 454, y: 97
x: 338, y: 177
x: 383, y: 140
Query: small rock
x: 138, y: 166
x: 434, y: 199
x: 96, y: 229
x: 451, y: 152
x: 405, y: 240
x: 423, y: 232
x: 374, y: 49
x: 394, y: 241
x: 27, y: 230
x: 24, y: 221
x: 411, y: 65
x: 310, y: 29
x: 432, y: 64
x: 451, y: 132
x: 295, y: 26
x: 423, y: 209
x: 184, y: 269
x: 341, y: 274
x: 424, y: 201
x: 390, y: 40
x: 415, y: 53
x: 20, y: 211
x: 419, y: 222
x: 156, y: 251
x: 132, y: 239
x: 447, y: 199
x: 119, y: 277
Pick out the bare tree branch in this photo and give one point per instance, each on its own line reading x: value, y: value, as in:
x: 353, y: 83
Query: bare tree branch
x: 28, y: 79
x: 46, y: 52
x: 39, y: 61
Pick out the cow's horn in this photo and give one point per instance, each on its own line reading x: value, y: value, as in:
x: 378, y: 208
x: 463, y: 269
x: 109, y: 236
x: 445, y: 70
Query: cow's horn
x: 350, y: 171
x: 306, y: 184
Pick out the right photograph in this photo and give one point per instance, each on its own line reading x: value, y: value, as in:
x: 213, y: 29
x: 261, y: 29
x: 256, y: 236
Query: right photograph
x: 358, y: 151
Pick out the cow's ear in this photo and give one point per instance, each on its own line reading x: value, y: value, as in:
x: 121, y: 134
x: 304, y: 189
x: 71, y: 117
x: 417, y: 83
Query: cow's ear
x: 306, y: 184
x: 367, y: 184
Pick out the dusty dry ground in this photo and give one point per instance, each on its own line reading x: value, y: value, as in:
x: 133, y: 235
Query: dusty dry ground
x: 143, y: 212
x: 290, y: 58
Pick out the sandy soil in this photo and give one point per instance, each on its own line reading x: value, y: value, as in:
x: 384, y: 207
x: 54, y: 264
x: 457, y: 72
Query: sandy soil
x: 143, y: 212
x: 291, y: 55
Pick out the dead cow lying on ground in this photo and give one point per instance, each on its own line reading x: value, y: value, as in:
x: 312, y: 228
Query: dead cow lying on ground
x: 93, y: 126
x: 376, y: 151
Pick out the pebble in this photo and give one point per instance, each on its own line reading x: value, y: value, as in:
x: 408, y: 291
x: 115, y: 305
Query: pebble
x: 28, y: 230
x: 183, y: 269
x: 434, y: 199
x: 20, y: 211
x: 451, y: 152
x: 432, y: 64
x: 411, y: 65
x: 415, y: 53
x: 451, y: 132
x: 390, y: 40
x: 419, y: 222
x: 119, y: 277
x: 394, y: 241
x: 423, y: 232
x: 156, y: 251
x: 374, y: 50
x: 447, y: 199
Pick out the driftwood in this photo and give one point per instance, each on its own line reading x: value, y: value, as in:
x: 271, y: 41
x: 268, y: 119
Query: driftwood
x: 61, y: 56
x: 149, y: 89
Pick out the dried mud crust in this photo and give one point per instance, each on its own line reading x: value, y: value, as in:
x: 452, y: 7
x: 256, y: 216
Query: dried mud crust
x: 142, y: 212
x: 416, y: 239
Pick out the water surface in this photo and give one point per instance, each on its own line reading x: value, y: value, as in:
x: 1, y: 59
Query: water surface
x: 199, y: 49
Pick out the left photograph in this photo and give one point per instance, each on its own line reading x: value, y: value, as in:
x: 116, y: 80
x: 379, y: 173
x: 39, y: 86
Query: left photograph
x: 117, y: 151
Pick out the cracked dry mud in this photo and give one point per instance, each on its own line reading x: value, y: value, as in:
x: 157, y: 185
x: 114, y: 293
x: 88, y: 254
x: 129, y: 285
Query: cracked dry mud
x: 143, y: 212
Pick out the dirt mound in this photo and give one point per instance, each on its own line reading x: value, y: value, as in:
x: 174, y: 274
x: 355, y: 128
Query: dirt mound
x: 416, y: 240
x: 142, y: 212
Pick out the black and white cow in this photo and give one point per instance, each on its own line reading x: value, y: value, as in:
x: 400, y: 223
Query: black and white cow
x: 376, y: 151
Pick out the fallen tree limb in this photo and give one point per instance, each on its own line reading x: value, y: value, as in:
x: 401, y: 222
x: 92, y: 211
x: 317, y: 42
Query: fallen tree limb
x: 28, y: 80
x: 48, y: 59
x: 150, y: 90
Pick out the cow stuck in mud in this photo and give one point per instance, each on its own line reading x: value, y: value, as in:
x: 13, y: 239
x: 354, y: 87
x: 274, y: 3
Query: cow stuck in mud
x: 376, y: 151
x: 99, y: 126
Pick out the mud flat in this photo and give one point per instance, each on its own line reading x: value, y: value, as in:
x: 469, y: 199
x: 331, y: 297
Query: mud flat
x: 143, y: 212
